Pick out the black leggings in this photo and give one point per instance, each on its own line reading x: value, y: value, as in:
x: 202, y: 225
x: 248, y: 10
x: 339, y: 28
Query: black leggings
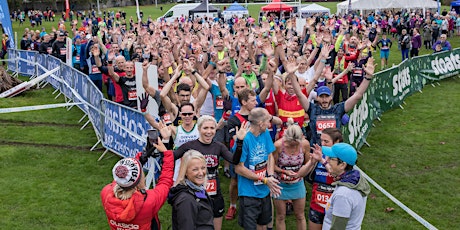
x: 340, y: 89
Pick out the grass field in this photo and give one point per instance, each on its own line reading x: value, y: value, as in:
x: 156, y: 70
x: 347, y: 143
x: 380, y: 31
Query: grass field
x: 52, y: 181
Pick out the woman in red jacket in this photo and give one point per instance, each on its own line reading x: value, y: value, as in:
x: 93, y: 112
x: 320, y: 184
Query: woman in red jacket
x: 127, y: 202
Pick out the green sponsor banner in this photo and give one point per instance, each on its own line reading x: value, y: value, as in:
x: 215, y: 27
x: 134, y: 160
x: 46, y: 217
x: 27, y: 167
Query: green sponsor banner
x: 361, y: 118
x: 438, y: 66
x: 390, y: 87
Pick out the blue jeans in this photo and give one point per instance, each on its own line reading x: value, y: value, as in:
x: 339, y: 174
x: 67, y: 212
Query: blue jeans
x: 405, y: 54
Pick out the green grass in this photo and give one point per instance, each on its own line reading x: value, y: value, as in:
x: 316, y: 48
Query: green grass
x: 51, y: 180
x: 413, y: 156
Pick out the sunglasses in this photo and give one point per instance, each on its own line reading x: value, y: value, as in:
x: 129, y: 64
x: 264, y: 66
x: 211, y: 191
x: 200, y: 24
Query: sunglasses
x: 187, y: 114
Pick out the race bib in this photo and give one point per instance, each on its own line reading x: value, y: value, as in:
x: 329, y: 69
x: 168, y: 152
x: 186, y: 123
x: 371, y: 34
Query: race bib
x: 321, y: 194
x: 260, y: 170
x: 132, y: 95
x: 62, y: 51
x: 288, y: 179
x: 211, y: 186
x: 77, y: 58
x: 324, y: 122
x: 49, y: 50
x: 167, y: 119
x: 94, y: 69
x: 219, y: 102
x: 358, y: 72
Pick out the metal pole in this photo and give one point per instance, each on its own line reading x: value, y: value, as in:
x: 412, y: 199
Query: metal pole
x: 98, y: 9
x: 349, y: 6
x: 439, y: 8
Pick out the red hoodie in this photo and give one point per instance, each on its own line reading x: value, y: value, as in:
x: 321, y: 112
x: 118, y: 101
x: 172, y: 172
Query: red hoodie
x: 138, y: 211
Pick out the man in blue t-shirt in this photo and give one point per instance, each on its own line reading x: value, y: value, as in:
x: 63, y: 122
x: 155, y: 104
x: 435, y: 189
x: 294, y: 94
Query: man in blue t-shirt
x: 255, y: 172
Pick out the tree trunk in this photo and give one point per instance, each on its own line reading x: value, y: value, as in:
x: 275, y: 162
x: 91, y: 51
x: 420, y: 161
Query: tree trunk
x: 6, y: 81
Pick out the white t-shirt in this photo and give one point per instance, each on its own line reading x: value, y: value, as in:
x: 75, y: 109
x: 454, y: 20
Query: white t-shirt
x: 347, y: 203
x: 208, y: 106
x: 307, y: 75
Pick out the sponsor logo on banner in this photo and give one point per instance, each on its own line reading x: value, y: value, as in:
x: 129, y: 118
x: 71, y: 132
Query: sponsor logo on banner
x: 27, y: 68
x: 118, y: 139
x: 401, y: 83
x: 446, y: 64
x: 95, y: 99
x: 357, y: 125
x: 67, y: 78
x: 12, y: 62
x: 41, y: 59
x: 53, y: 63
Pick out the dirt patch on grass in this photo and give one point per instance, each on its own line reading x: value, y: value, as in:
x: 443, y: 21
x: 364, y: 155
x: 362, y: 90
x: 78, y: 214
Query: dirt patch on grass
x: 39, y: 145
x: 36, y: 123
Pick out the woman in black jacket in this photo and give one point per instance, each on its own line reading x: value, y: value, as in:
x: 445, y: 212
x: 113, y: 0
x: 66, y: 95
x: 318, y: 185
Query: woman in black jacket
x: 191, y: 205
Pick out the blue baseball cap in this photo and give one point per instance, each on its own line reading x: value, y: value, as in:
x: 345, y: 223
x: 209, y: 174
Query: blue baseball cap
x: 345, y: 152
x: 323, y: 90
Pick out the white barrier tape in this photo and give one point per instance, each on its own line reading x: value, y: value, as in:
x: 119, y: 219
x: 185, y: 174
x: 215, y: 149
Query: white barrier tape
x: 25, y: 60
x: 82, y: 101
x: 36, y: 107
x: 7, y: 60
x: 26, y: 85
x: 397, y: 202
x: 100, y: 112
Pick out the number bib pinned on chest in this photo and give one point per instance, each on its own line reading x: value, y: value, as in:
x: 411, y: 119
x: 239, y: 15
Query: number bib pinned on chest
x: 324, y: 122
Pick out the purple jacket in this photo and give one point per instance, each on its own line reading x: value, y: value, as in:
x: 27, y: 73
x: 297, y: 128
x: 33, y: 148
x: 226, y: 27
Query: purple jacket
x: 416, y: 41
x: 444, y: 45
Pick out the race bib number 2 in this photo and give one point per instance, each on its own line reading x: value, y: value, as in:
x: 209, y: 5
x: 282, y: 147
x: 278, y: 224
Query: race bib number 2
x: 211, y: 186
x: 260, y: 170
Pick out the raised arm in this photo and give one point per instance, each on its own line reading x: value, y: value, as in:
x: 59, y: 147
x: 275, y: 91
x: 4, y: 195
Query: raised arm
x: 350, y: 66
x: 165, y: 100
x: 271, y: 69
x: 145, y: 80
x: 222, y: 78
x: 290, y: 67
x: 353, y: 100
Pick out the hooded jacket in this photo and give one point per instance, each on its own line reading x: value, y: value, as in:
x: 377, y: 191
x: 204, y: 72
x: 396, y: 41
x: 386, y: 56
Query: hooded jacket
x: 190, y: 210
x: 141, y: 210
x: 354, y: 180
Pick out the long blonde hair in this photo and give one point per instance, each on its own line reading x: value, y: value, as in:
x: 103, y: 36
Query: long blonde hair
x: 185, y: 161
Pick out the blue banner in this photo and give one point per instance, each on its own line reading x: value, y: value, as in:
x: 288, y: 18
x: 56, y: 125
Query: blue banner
x: 53, y: 63
x: 5, y: 19
x: 12, y: 54
x: 82, y: 86
x: 74, y: 74
x: 66, y: 73
x: 27, y: 68
x: 41, y: 59
x: 95, y: 99
x: 118, y: 139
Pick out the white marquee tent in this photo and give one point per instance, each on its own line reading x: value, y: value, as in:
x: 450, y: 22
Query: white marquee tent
x: 313, y: 9
x: 366, y: 5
